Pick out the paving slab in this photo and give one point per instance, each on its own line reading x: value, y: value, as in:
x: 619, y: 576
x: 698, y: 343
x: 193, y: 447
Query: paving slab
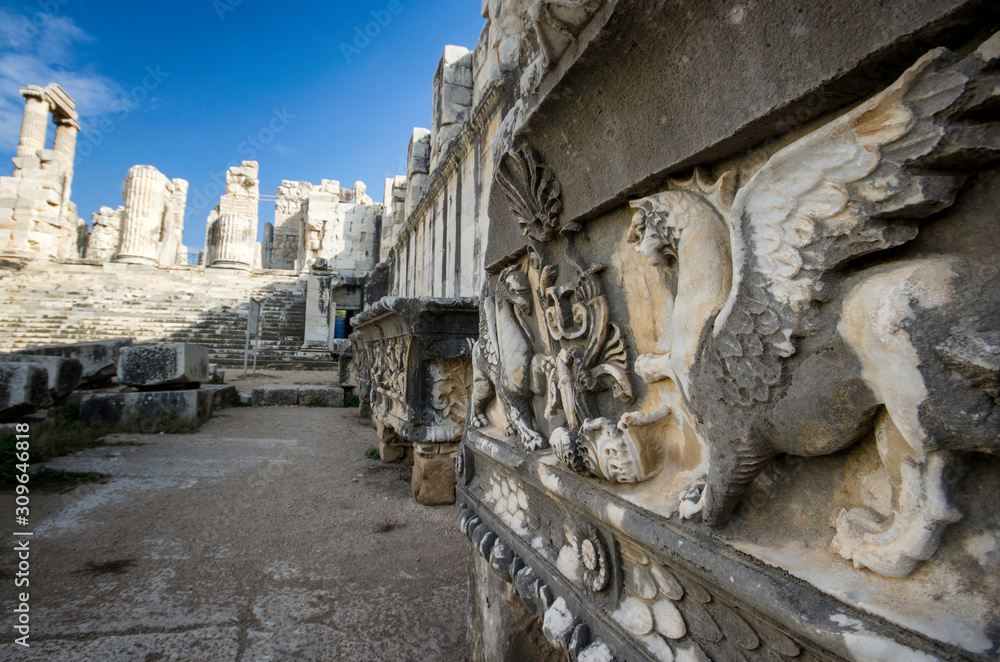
x: 266, y: 535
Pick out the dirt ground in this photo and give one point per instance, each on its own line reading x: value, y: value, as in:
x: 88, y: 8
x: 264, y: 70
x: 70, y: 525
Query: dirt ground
x: 267, y: 535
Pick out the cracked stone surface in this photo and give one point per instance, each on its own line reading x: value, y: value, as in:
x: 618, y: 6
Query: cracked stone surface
x: 267, y: 535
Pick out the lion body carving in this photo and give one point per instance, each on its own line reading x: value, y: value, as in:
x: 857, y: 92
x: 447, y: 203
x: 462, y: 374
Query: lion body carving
x: 504, y: 333
x: 777, y: 347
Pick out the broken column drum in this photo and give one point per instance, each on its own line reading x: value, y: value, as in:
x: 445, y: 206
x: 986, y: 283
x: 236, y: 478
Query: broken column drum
x: 233, y: 241
x: 145, y: 200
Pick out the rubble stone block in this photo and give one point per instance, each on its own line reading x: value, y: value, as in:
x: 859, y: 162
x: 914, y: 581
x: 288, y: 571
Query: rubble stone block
x: 162, y: 364
x: 148, y: 411
x: 24, y: 387
x: 64, y: 374
x: 222, y: 394
x: 433, y: 479
x: 330, y: 396
x: 99, y: 359
x: 275, y: 395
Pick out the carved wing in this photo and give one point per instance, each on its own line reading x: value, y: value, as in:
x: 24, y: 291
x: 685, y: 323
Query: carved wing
x: 847, y: 189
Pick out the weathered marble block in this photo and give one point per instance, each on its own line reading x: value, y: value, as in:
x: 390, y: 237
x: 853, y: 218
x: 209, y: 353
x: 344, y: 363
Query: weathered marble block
x: 24, y: 387
x: 148, y: 411
x: 163, y: 364
x: 412, y: 357
x: 325, y: 396
x: 222, y: 394
x: 275, y: 395
x: 99, y: 358
x: 64, y: 374
x: 737, y: 391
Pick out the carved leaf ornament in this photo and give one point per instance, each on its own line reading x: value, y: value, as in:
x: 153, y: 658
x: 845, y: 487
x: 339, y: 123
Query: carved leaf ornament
x: 534, y: 193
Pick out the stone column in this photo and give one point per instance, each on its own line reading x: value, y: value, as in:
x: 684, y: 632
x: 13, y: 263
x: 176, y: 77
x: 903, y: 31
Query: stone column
x: 65, y: 144
x: 145, y: 198
x: 232, y: 243
x: 65, y: 147
x: 35, y: 122
x: 178, y: 199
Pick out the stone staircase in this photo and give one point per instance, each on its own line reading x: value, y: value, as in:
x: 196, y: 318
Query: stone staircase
x: 51, y: 302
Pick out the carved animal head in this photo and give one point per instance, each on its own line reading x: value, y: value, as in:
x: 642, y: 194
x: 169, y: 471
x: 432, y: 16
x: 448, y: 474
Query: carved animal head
x: 514, y: 286
x: 660, y: 219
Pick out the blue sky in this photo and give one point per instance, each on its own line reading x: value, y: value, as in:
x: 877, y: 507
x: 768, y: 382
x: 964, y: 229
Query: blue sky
x: 193, y: 86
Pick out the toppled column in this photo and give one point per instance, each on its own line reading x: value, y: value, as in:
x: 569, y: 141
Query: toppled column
x: 231, y: 235
x: 145, y: 195
x: 418, y: 155
x: 452, y: 100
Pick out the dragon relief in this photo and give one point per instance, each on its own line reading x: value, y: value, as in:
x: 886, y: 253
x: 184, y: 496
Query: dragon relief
x: 783, y: 341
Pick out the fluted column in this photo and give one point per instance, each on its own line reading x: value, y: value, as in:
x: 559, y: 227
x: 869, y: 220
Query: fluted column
x: 34, y: 123
x: 145, y: 198
x: 233, y: 242
x: 65, y: 143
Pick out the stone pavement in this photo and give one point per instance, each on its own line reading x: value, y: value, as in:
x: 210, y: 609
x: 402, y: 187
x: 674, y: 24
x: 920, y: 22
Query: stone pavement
x: 264, y: 536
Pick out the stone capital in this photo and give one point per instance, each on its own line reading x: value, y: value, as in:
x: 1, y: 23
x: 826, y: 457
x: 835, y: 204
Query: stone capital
x: 32, y: 92
x: 67, y: 122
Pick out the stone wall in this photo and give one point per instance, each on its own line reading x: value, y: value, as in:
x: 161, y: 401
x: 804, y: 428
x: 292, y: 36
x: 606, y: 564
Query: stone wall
x: 81, y: 300
x: 735, y: 389
x: 435, y: 246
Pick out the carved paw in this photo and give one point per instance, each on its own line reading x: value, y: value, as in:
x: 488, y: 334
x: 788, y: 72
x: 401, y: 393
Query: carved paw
x: 692, y: 500
x: 480, y: 420
x: 653, y: 367
x: 873, y: 542
x: 533, y: 441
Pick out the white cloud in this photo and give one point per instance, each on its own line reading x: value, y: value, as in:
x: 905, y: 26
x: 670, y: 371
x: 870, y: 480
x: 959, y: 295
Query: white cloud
x: 39, y: 49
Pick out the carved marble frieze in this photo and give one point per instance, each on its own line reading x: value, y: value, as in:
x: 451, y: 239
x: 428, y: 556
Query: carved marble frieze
x: 793, y: 352
x: 414, y: 368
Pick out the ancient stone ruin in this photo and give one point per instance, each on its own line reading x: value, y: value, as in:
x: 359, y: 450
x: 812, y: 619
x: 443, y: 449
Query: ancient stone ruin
x: 130, y: 275
x: 734, y: 383
x: 691, y: 309
x: 36, y: 215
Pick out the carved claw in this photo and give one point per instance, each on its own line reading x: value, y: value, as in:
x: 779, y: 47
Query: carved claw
x: 480, y: 420
x: 692, y: 500
x: 533, y: 441
x: 653, y: 368
x: 893, y: 546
